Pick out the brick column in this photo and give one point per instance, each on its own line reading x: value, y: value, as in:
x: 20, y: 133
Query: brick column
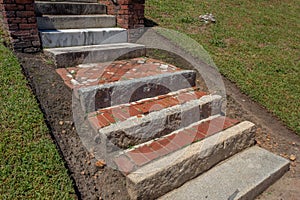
x: 130, y: 13
x: 19, y: 21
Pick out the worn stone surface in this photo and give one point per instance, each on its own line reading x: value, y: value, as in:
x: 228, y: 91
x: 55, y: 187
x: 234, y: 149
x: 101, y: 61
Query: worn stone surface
x: 75, y: 21
x: 108, y: 72
x: 131, y: 159
x: 136, y: 130
x: 120, y: 92
x: 175, y: 169
x: 82, y: 37
x: 243, y: 176
x: 71, y: 56
x: 68, y: 8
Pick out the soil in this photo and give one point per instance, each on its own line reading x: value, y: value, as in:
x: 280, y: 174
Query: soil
x: 92, y: 182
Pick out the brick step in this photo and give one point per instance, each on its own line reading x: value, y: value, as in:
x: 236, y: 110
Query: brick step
x: 244, y: 176
x: 75, y: 21
x: 103, y: 85
x: 145, y: 153
x: 68, y: 8
x: 138, y: 122
x: 151, y: 170
x: 82, y: 37
x: 72, y: 56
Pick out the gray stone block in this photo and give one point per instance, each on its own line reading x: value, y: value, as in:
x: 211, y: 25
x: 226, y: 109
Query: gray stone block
x: 71, y: 56
x: 82, y: 37
x: 68, y: 8
x: 75, y: 21
x: 120, y: 92
x: 163, y: 175
x: 136, y: 130
x: 243, y: 176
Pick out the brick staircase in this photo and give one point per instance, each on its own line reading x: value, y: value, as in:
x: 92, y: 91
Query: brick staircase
x: 149, y: 119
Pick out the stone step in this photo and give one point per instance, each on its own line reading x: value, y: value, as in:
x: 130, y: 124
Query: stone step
x: 72, y: 56
x: 243, y: 176
x: 68, y: 8
x: 169, y: 171
x: 103, y: 85
x: 82, y: 37
x: 140, y: 121
x: 162, y: 146
x: 75, y: 21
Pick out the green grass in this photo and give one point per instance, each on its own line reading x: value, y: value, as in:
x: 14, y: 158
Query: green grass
x: 254, y: 43
x: 30, y: 165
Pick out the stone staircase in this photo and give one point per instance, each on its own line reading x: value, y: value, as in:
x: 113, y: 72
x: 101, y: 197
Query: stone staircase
x: 149, y: 119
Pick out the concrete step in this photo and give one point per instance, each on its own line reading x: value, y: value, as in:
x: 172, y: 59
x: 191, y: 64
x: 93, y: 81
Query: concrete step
x: 82, y: 37
x: 75, y: 21
x: 103, y: 85
x: 68, y: 8
x: 72, y: 56
x: 156, y: 178
x: 243, y: 176
x: 137, y: 122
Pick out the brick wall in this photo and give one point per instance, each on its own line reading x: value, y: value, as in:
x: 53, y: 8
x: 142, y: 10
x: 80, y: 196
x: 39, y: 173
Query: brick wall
x: 130, y: 13
x: 19, y: 21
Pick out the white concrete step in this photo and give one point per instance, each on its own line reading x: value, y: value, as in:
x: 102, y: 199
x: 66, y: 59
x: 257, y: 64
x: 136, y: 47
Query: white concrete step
x: 75, y: 21
x: 68, y: 8
x: 160, y: 176
x: 82, y: 37
x: 71, y: 56
x: 243, y: 176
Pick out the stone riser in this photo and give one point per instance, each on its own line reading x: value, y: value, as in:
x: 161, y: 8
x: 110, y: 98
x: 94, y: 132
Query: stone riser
x: 75, y: 21
x: 72, y: 56
x: 145, y: 153
x: 120, y: 92
x: 135, y: 131
x: 68, y: 8
x: 82, y: 37
x: 161, y: 176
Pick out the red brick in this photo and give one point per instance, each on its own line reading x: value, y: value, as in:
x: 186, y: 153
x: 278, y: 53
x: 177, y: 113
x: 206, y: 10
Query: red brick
x: 158, y: 149
x: 168, y: 144
x: 148, y: 152
x: 182, y: 139
x: 137, y: 157
x: 124, y: 164
x: 102, y: 121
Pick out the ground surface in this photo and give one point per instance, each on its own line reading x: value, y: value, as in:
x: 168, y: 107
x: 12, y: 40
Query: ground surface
x: 254, y: 43
x: 30, y: 165
x: 94, y: 182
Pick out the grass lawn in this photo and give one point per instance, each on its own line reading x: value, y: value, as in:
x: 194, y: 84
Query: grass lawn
x: 254, y: 43
x: 30, y: 165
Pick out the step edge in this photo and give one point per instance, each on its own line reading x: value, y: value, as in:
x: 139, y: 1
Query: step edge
x: 205, y: 145
x: 133, y: 121
x: 253, y: 191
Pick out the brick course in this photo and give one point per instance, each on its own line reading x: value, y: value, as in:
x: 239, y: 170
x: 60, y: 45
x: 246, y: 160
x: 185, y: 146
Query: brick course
x: 19, y: 21
x: 129, y: 13
x: 131, y: 159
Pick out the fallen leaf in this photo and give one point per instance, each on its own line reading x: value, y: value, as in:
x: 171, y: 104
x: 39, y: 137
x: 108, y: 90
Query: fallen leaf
x: 100, y: 163
x: 292, y: 157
